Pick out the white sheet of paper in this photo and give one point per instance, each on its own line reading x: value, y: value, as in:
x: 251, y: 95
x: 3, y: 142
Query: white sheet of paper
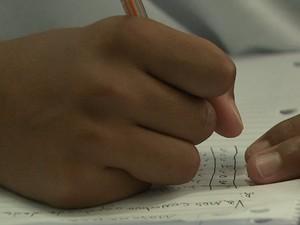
x: 267, y: 91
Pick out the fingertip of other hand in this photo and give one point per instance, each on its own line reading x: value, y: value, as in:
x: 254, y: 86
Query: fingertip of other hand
x: 264, y: 168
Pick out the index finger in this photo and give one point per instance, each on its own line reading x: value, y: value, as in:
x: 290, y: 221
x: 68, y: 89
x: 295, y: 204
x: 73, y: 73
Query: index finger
x: 185, y: 61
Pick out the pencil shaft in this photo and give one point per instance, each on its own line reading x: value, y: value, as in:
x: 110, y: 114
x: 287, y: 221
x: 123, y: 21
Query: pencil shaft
x: 134, y: 8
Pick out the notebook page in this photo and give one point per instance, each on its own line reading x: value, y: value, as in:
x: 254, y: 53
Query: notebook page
x: 221, y: 189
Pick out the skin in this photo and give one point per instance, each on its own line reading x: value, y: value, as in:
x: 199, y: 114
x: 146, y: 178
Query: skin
x: 95, y: 114
x: 276, y: 155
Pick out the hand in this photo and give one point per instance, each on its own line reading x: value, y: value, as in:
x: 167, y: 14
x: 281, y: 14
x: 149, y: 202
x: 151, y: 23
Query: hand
x: 95, y: 114
x: 276, y: 155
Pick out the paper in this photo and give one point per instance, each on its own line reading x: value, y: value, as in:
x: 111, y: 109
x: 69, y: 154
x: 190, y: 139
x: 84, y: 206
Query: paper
x: 267, y: 92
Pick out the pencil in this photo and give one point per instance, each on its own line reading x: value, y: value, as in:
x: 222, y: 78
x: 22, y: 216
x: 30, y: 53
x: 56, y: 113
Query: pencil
x: 134, y: 8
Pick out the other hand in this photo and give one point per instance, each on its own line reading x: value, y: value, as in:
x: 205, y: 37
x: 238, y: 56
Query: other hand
x: 276, y: 155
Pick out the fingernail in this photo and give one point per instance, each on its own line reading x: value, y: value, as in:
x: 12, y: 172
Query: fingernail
x: 239, y: 118
x: 268, y: 164
x: 238, y: 115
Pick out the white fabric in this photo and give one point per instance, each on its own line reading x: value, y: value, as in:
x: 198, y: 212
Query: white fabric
x: 243, y: 25
x: 239, y: 26
x: 22, y: 17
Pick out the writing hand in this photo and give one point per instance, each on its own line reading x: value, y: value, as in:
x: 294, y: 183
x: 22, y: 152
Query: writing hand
x: 95, y: 114
x: 276, y: 155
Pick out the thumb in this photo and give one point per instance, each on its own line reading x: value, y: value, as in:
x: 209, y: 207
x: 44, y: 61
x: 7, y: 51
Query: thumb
x: 229, y: 122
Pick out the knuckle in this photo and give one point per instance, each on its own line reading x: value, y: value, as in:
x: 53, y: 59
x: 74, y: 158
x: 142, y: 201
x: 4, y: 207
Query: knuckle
x: 102, y: 99
x: 114, y: 34
x: 90, y: 142
x: 126, y: 26
x: 224, y: 71
x: 209, y: 119
x: 205, y: 125
x: 186, y: 168
x: 130, y: 24
x: 227, y: 70
x: 66, y: 194
x: 70, y: 191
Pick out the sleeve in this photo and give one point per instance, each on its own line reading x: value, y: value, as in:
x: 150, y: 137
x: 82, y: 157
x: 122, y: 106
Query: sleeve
x: 19, y: 18
x: 240, y: 26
